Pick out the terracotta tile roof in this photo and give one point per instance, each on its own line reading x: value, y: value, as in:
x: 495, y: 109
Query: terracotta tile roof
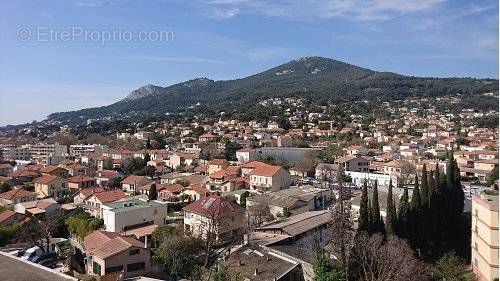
x: 265, y: 171
x: 6, y: 215
x: 106, y: 244
x: 24, y: 173
x: 80, y: 178
x: 213, y: 206
x: 16, y: 193
x: 201, y: 168
x: 173, y: 188
x: 49, y: 169
x: 110, y: 196
x: 46, y: 179
x: 86, y: 192
x: 5, y: 166
x: 219, y: 162
x: 253, y: 164
x: 136, y: 180
x: 108, y: 174
x: 39, y: 204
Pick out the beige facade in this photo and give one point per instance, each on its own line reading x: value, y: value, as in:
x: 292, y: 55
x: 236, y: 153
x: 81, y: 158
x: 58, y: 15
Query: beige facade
x: 56, y: 187
x: 485, y: 236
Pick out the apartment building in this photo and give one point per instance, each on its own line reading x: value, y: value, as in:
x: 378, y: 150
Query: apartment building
x: 122, y: 215
x: 16, y: 153
x: 485, y: 236
x: 40, y: 150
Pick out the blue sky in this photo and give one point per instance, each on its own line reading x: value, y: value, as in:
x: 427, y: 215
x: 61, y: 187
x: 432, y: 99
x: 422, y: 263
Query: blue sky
x: 223, y: 39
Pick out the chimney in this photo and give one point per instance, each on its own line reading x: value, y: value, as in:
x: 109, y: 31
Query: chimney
x: 256, y: 272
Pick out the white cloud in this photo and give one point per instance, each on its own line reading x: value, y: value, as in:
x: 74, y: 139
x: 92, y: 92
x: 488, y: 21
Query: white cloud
x: 358, y: 10
x: 188, y: 59
x: 225, y: 13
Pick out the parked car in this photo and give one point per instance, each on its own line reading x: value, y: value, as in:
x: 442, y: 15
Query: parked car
x: 31, y: 252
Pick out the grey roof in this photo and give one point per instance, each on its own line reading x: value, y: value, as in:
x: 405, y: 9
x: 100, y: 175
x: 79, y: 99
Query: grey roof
x: 14, y: 269
x: 301, y: 223
x: 288, y: 198
x: 250, y: 257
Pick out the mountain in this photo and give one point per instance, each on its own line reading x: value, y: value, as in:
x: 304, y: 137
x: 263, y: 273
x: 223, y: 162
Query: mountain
x: 321, y: 81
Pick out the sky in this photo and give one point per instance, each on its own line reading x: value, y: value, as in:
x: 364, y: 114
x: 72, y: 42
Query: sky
x: 67, y: 55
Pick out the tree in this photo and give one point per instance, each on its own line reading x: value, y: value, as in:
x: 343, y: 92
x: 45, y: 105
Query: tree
x: 342, y: 231
x: 162, y: 233
x: 230, y: 149
x: 259, y: 213
x: 493, y: 177
x: 424, y: 189
x: 403, y: 214
x: 364, y: 212
x: 178, y: 254
x: 376, y: 223
x: 152, y: 194
x: 147, y: 158
x: 148, y: 144
x: 325, y: 271
x: 387, y: 259
x: 243, y: 199
x: 133, y: 165
x: 391, y: 216
x: 4, y: 187
x: 451, y: 267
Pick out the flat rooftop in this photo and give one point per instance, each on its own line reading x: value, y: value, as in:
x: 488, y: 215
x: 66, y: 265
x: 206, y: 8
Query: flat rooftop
x: 14, y: 269
x: 127, y: 205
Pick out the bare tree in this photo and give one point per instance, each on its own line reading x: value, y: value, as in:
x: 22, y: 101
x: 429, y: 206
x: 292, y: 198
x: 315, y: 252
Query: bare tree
x: 407, y: 174
x: 342, y: 228
x: 259, y: 213
x: 381, y: 260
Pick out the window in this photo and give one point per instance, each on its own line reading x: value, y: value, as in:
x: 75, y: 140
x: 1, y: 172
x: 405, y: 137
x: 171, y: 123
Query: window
x: 134, y: 252
x: 114, y: 269
x: 96, y: 268
x: 136, y: 266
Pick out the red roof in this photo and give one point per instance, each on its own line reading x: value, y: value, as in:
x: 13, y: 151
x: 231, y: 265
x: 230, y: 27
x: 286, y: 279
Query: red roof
x: 213, y: 206
x: 80, y: 178
x: 6, y: 214
x: 16, y: 193
x: 266, y: 171
x: 110, y: 196
x: 219, y: 162
x: 24, y: 173
x: 46, y: 179
x: 139, y: 180
x: 86, y: 192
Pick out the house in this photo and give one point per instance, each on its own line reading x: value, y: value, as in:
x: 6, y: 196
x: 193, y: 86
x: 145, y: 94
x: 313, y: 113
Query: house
x: 80, y: 182
x: 130, y: 184
x: 55, y: 171
x: 353, y: 163
x: 398, y: 168
x: 245, y: 155
x: 207, y: 137
x: 254, y: 263
x: 24, y: 175
x: 195, y: 192
x: 182, y: 159
x: 217, y: 165
x: 326, y: 171
x: 357, y: 150
x: 126, y: 214
x: 214, y: 215
x: 108, y: 253
x: 220, y: 177
x: 294, y: 200
x: 76, y: 169
x: 43, y: 208
x: 51, y: 186
x: 86, y: 193
x: 9, y: 217
x: 266, y: 178
x: 169, y: 192
x: 93, y: 203
x: 16, y: 195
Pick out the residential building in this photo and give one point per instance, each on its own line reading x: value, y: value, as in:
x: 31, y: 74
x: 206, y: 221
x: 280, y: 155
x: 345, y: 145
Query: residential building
x: 76, y: 183
x: 43, y: 208
x: 93, y: 203
x: 126, y: 214
x: 485, y: 236
x: 353, y: 163
x: 51, y: 186
x: 41, y: 150
x: 294, y: 200
x: 108, y: 253
x: 132, y: 183
x: 16, y: 195
x: 214, y: 215
x: 217, y: 165
x: 265, y: 178
x: 9, y: 217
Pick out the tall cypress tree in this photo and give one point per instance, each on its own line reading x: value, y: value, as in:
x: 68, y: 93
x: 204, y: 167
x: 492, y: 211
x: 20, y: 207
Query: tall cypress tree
x: 416, y: 201
x: 403, y: 214
x: 364, y: 212
x: 377, y: 223
x: 391, y: 216
x: 424, y: 189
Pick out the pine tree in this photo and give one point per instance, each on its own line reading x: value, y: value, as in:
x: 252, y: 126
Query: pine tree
x: 391, y: 217
x: 403, y: 214
x: 153, y: 193
x: 364, y: 212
